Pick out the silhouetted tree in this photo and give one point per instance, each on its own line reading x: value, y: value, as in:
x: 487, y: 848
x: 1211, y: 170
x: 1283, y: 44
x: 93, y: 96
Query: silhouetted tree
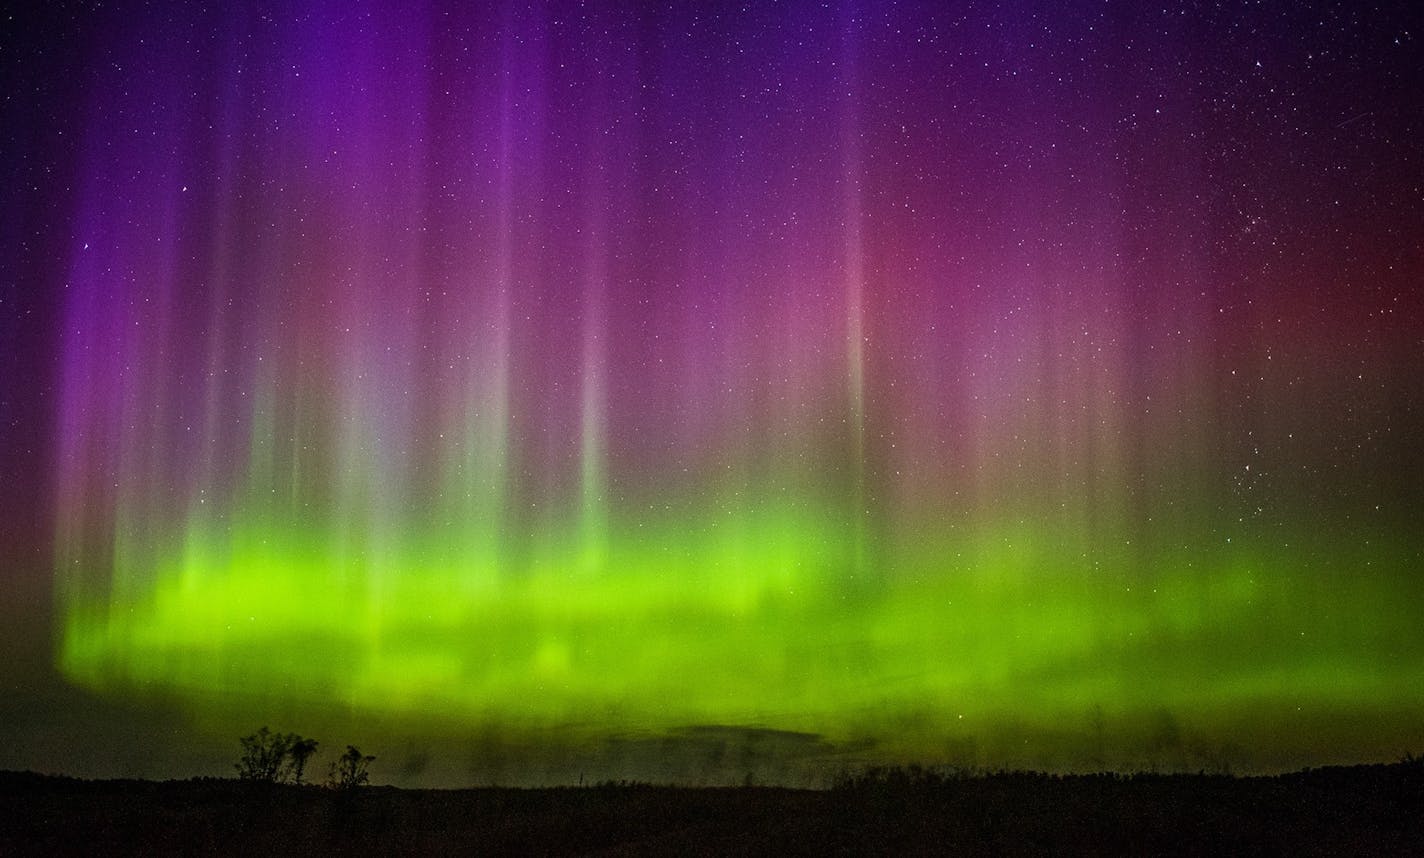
x: 262, y: 756
x: 300, y: 751
x: 349, y: 770
x: 274, y: 757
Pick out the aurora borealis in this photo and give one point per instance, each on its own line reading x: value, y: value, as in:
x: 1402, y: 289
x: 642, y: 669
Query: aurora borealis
x: 1026, y: 385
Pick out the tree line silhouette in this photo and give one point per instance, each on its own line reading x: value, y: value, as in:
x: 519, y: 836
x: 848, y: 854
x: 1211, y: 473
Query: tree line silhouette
x: 270, y: 757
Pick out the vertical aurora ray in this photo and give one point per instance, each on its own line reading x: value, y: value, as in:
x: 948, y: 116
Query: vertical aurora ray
x: 854, y: 282
x: 858, y: 372
x: 593, y: 476
x: 482, y: 491
x: 593, y: 382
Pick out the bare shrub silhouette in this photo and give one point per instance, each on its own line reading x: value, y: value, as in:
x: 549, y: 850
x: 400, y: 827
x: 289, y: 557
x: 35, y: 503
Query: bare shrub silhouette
x: 274, y: 757
x: 350, y: 770
x: 300, y: 751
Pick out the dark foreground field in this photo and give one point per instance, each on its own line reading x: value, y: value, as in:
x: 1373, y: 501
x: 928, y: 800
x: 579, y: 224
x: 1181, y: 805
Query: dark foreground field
x: 1338, y: 811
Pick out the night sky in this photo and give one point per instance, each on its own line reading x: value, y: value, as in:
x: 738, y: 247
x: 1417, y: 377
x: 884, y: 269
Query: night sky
x: 675, y: 391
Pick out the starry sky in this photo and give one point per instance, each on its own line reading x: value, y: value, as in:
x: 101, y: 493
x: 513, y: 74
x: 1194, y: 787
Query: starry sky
x: 680, y: 390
